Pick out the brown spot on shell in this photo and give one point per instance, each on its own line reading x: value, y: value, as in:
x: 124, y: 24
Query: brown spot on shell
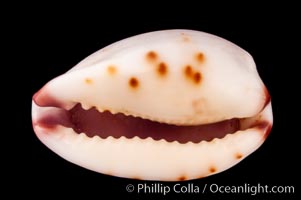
x: 162, y: 69
x: 200, y: 57
x: 185, y: 38
x: 182, y: 178
x: 198, y: 105
x: 190, y: 74
x: 137, y: 178
x: 151, y: 56
x: 133, y: 82
x: 88, y: 81
x: 188, y: 71
x: 197, y: 77
x: 212, y: 169
x: 112, y: 70
x: 238, y: 155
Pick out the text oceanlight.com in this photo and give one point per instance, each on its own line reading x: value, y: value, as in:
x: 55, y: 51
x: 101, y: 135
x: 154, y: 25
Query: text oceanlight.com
x: 213, y: 188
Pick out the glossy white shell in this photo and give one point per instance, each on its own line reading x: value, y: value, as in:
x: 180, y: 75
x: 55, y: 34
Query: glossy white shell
x: 180, y: 77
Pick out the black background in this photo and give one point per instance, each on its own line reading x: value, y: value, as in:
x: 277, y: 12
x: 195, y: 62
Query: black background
x: 47, y: 44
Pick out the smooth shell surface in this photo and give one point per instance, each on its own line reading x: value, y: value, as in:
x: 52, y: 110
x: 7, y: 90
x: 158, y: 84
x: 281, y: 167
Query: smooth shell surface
x: 179, y: 77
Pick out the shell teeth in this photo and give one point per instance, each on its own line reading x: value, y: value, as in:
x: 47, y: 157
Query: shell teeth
x: 99, y: 109
x: 86, y: 106
x: 113, y: 112
x: 96, y: 138
x: 83, y: 136
x: 146, y: 117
